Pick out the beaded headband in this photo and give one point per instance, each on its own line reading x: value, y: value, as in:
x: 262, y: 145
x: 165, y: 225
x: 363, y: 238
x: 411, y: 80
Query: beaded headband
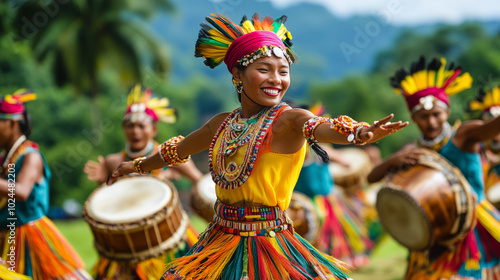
x: 241, y: 44
x: 142, y: 106
x: 427, y: 85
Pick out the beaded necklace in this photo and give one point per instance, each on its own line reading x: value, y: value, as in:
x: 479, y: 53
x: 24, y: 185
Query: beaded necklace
x: 233, y: 134
x: 437, y: 143
x: 15, y: 152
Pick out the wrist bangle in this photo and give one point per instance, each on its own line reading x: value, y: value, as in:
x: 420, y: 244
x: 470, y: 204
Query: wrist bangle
x: 357, y: 140
x: 310, y: 126
x: 137, y: 165
x: 168, y: 151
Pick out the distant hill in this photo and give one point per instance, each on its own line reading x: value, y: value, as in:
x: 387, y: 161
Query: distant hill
x: 328, y: 47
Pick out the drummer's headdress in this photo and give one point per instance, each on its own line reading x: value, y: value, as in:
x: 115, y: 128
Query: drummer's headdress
x: 487, y: 103
x: 224, y: 40
x: 12, y: 106
x: 141, y: 105
x: 427, y: 85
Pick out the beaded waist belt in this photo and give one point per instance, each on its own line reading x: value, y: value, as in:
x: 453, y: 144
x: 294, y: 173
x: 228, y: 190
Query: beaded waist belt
x: 248, y: 214
x: 250, y: 221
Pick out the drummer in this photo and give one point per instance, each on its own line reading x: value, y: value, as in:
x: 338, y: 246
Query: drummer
x: 487, y: 106
x: 255, y: 155
x: 426, y: 89
x: 29, y: 242
x: 140, y: 127
x: 342, y: 232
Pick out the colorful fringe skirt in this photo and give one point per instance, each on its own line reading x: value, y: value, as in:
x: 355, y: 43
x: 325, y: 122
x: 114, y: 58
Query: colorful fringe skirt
x: 343, y: 228
x: 42, y: 252
x: 477, y: 256
x: 253, y: 243
x: 153, y: 268
x: 10, y: 275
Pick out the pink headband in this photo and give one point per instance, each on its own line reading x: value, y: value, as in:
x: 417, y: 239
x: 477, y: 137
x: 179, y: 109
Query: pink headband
x: 136, y: 109
x: 413, y: 100
x: 248, y: 44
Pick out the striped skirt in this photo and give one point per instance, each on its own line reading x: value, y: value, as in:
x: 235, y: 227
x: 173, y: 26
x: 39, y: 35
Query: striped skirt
x: 253, y: 243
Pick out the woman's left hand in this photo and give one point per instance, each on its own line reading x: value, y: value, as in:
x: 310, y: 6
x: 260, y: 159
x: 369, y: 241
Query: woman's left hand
x: 380, y: 129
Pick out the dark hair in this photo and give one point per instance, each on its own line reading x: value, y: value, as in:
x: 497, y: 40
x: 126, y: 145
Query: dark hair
x: 25, y: 123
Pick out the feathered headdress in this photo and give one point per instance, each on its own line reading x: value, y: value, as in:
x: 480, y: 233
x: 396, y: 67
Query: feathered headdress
x: 425, y: 85
x: 487, y: 103
x: 12, y: 106
x: 224, y: 40
x: 141, y: 105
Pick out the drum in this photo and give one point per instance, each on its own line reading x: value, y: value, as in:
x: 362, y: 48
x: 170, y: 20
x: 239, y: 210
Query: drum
x: 136, y: 218
x: 493, y: 195
x: 203, y: 198
x: 304, y: 217
x: 426, y: 204
x: 354, y: 176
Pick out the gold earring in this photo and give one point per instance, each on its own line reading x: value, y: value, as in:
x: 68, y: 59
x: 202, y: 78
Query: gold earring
x: 239, y: 86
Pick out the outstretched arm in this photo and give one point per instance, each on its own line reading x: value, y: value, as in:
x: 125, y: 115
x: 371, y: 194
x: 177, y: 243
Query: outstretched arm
x: 195, y: 142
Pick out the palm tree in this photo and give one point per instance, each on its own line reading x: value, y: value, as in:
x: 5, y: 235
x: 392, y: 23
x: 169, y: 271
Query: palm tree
x: 78, y: 38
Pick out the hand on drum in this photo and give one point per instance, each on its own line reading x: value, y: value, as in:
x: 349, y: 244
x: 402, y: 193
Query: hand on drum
x: 409, y: 156
x: 124, y: 168
x: 380, y: 129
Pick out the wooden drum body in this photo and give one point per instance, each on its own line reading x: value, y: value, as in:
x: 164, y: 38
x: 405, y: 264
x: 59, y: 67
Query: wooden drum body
x: 304, y: 217
x: 203, y: 198
x: 426, y: 204
x: 136, y: 218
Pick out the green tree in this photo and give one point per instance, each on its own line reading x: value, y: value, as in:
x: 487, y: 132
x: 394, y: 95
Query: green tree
x: 81, y: 37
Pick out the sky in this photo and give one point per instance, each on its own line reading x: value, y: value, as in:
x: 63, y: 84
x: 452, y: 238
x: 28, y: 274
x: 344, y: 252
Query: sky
x: 410, y: 12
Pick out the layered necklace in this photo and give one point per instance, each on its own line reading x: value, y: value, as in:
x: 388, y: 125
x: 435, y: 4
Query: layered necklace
x: 437, y: 143
x: 236, y: 132
x: 130, y: 155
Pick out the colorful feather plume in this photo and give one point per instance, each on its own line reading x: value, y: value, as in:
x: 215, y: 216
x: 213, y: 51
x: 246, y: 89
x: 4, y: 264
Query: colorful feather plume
x: 20, y: 96
x: 487, y: 101
x: 219, y: 33
x: 140, y: 95
x: 432, y: 75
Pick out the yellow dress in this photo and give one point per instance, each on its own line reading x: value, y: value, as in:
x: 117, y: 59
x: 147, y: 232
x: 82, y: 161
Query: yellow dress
x: 255, y: 242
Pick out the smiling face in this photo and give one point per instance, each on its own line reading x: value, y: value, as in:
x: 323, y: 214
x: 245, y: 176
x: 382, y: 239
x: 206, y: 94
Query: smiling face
x: 430, y: 122
x: 265, y: 81
x: 138, y: 133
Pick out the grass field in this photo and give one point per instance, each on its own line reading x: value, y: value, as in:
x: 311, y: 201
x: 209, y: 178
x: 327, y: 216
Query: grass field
x: 387, y: 261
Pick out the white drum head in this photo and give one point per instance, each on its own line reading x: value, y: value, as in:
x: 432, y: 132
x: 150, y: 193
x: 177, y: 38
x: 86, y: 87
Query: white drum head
x: 206, y: 188
x: 129, y: 200
x: 493, y: 194
x: 403, y: 219
x: 358, y: 159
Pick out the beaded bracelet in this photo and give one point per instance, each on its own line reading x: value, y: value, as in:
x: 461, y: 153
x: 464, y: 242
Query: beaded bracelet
x: 168, y: 151
x: 137, y: 165
x: 357, y: 141
x: 310, y: 126
x: 349, y: 127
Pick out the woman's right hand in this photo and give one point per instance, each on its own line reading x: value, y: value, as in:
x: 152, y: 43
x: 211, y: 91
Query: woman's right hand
x: 124, y: 168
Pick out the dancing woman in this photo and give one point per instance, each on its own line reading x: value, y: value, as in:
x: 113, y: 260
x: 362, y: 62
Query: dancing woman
x: 255, y: 156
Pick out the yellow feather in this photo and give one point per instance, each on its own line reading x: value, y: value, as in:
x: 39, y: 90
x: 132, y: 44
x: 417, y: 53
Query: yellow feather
x: 431, y: 78
x: 439, y: 80
x: 496, y: 95
x: 476, y: 105
x: 460, y: 83
x: 218, y: 36
x: 247, y: 26
x: 409, y: 85
x: 488, y: 100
